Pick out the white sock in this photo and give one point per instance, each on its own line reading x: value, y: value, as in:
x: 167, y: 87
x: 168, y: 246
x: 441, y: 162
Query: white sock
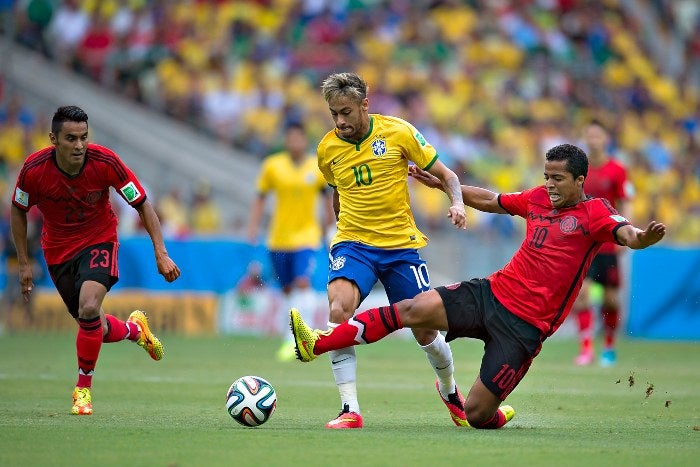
x: 440, y: 357
x: 344, y: 365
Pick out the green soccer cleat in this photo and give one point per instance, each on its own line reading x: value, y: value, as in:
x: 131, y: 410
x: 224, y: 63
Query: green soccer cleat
x: 150, y: 343
x: 508, y: 412
x: 304, y: 337
x: 82, y: 401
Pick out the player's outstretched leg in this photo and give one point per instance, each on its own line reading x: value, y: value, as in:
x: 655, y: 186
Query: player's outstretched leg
x: 150, y: 343
x: 503, y: 415
x: 82, y: 401
x: 304, y: 337
x: 455, y: 404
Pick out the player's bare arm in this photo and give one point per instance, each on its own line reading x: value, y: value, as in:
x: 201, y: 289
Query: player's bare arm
x: 475, y: 197
x: 637, y: 238
x: 451, y: 187
x: 256, y: 214
x: 166, y: 266
x: 18, y: 222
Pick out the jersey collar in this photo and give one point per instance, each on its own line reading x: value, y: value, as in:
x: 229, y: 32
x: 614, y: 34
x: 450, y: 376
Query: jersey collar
x: 369, y: 132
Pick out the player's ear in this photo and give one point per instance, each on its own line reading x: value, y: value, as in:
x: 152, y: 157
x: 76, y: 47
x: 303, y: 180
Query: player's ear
x: 580, y: 180
x: 52, y: 138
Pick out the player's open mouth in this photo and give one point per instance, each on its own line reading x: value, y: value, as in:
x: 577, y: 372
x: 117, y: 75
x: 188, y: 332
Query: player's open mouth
x: 553, y: 197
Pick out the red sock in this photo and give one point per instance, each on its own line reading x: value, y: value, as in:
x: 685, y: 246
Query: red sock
x: 611, y: 318
x: 585, y: 324
x: 88, y: 345
x: 364, y: 328
x: 497, y: 421
x: 118, y: 330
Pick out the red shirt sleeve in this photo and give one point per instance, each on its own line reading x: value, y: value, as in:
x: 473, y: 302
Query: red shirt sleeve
x: 516, y: 203
x: 604, y: 221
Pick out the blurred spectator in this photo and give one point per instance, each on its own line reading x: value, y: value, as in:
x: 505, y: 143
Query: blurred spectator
x: 205, y: 212
x: 14, y: 121
x: 94, y: 48
x: 494, y: 84
x: 33, y: 20
x: 174, y: 213
x: 66, y: 29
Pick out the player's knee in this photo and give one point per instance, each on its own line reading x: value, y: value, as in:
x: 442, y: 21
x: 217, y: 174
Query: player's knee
x: 89, y: 309
x: 339, y: 312
x: 410, y: 312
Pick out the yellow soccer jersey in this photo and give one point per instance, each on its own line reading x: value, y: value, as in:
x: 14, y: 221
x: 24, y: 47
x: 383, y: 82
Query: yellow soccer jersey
x: 371, y: 179
x: 294, y: 224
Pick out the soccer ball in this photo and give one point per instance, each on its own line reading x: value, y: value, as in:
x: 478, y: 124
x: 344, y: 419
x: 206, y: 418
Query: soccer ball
x: 251, y: 400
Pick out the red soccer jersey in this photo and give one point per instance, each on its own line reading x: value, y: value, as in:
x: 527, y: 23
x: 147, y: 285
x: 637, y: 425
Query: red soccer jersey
x: 76, y: 209
x: 540, y: 283
x: 608, y: 181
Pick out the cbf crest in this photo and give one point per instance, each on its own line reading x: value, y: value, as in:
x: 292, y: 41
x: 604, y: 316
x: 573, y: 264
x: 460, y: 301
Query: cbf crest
x: 338, y: 263
x: 379, y: 147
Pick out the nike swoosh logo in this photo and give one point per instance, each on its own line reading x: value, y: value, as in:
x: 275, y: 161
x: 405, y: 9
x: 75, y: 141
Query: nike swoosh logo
x: 306, y: 346
x: 342, y: 420
x: 335, y: 362
x: 438, y: 368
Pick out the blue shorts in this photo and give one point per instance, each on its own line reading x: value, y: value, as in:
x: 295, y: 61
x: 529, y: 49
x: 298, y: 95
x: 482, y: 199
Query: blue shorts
x: 402, y: 272
x: 291, y: 265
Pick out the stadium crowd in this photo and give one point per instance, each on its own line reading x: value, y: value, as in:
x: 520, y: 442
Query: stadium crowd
x: 491, y: 84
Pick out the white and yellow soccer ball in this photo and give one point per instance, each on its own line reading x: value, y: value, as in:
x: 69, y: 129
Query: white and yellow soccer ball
x: 251, y: 400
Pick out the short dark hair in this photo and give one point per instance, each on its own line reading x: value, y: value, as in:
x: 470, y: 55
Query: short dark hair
x: 597, y: 122
x: 294, y: 125
x: 68, y: 113
x: 576, y: 159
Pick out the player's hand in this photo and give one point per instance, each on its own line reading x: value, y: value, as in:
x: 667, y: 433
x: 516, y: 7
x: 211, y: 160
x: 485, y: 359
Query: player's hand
x: 426, y: 178
x: 654, y: 232
x: 26, y: 280
x: 167, y: 268
x: 458, y: 216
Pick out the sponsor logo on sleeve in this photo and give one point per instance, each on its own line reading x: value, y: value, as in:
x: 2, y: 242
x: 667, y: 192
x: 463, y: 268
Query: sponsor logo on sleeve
x: 130, y: 192
x: 618, y: 218
x: 420, y: 138
x: 22, y: 197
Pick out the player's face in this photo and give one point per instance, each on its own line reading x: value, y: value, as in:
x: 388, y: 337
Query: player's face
x: 295, y: 141
x: 350, y: 116
x: 596, y: 139
x: 562, y: 188
x: 71, y: 144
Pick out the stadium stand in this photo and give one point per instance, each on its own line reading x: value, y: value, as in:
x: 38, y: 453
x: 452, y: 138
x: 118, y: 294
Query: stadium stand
x: 193, y: 93
x: 491, y: 84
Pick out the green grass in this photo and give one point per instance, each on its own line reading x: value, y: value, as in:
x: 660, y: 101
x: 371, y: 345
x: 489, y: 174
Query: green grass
x: 171, y: 413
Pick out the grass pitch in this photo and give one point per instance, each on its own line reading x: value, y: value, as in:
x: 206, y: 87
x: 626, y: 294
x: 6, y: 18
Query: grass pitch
x: 644, y: 411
